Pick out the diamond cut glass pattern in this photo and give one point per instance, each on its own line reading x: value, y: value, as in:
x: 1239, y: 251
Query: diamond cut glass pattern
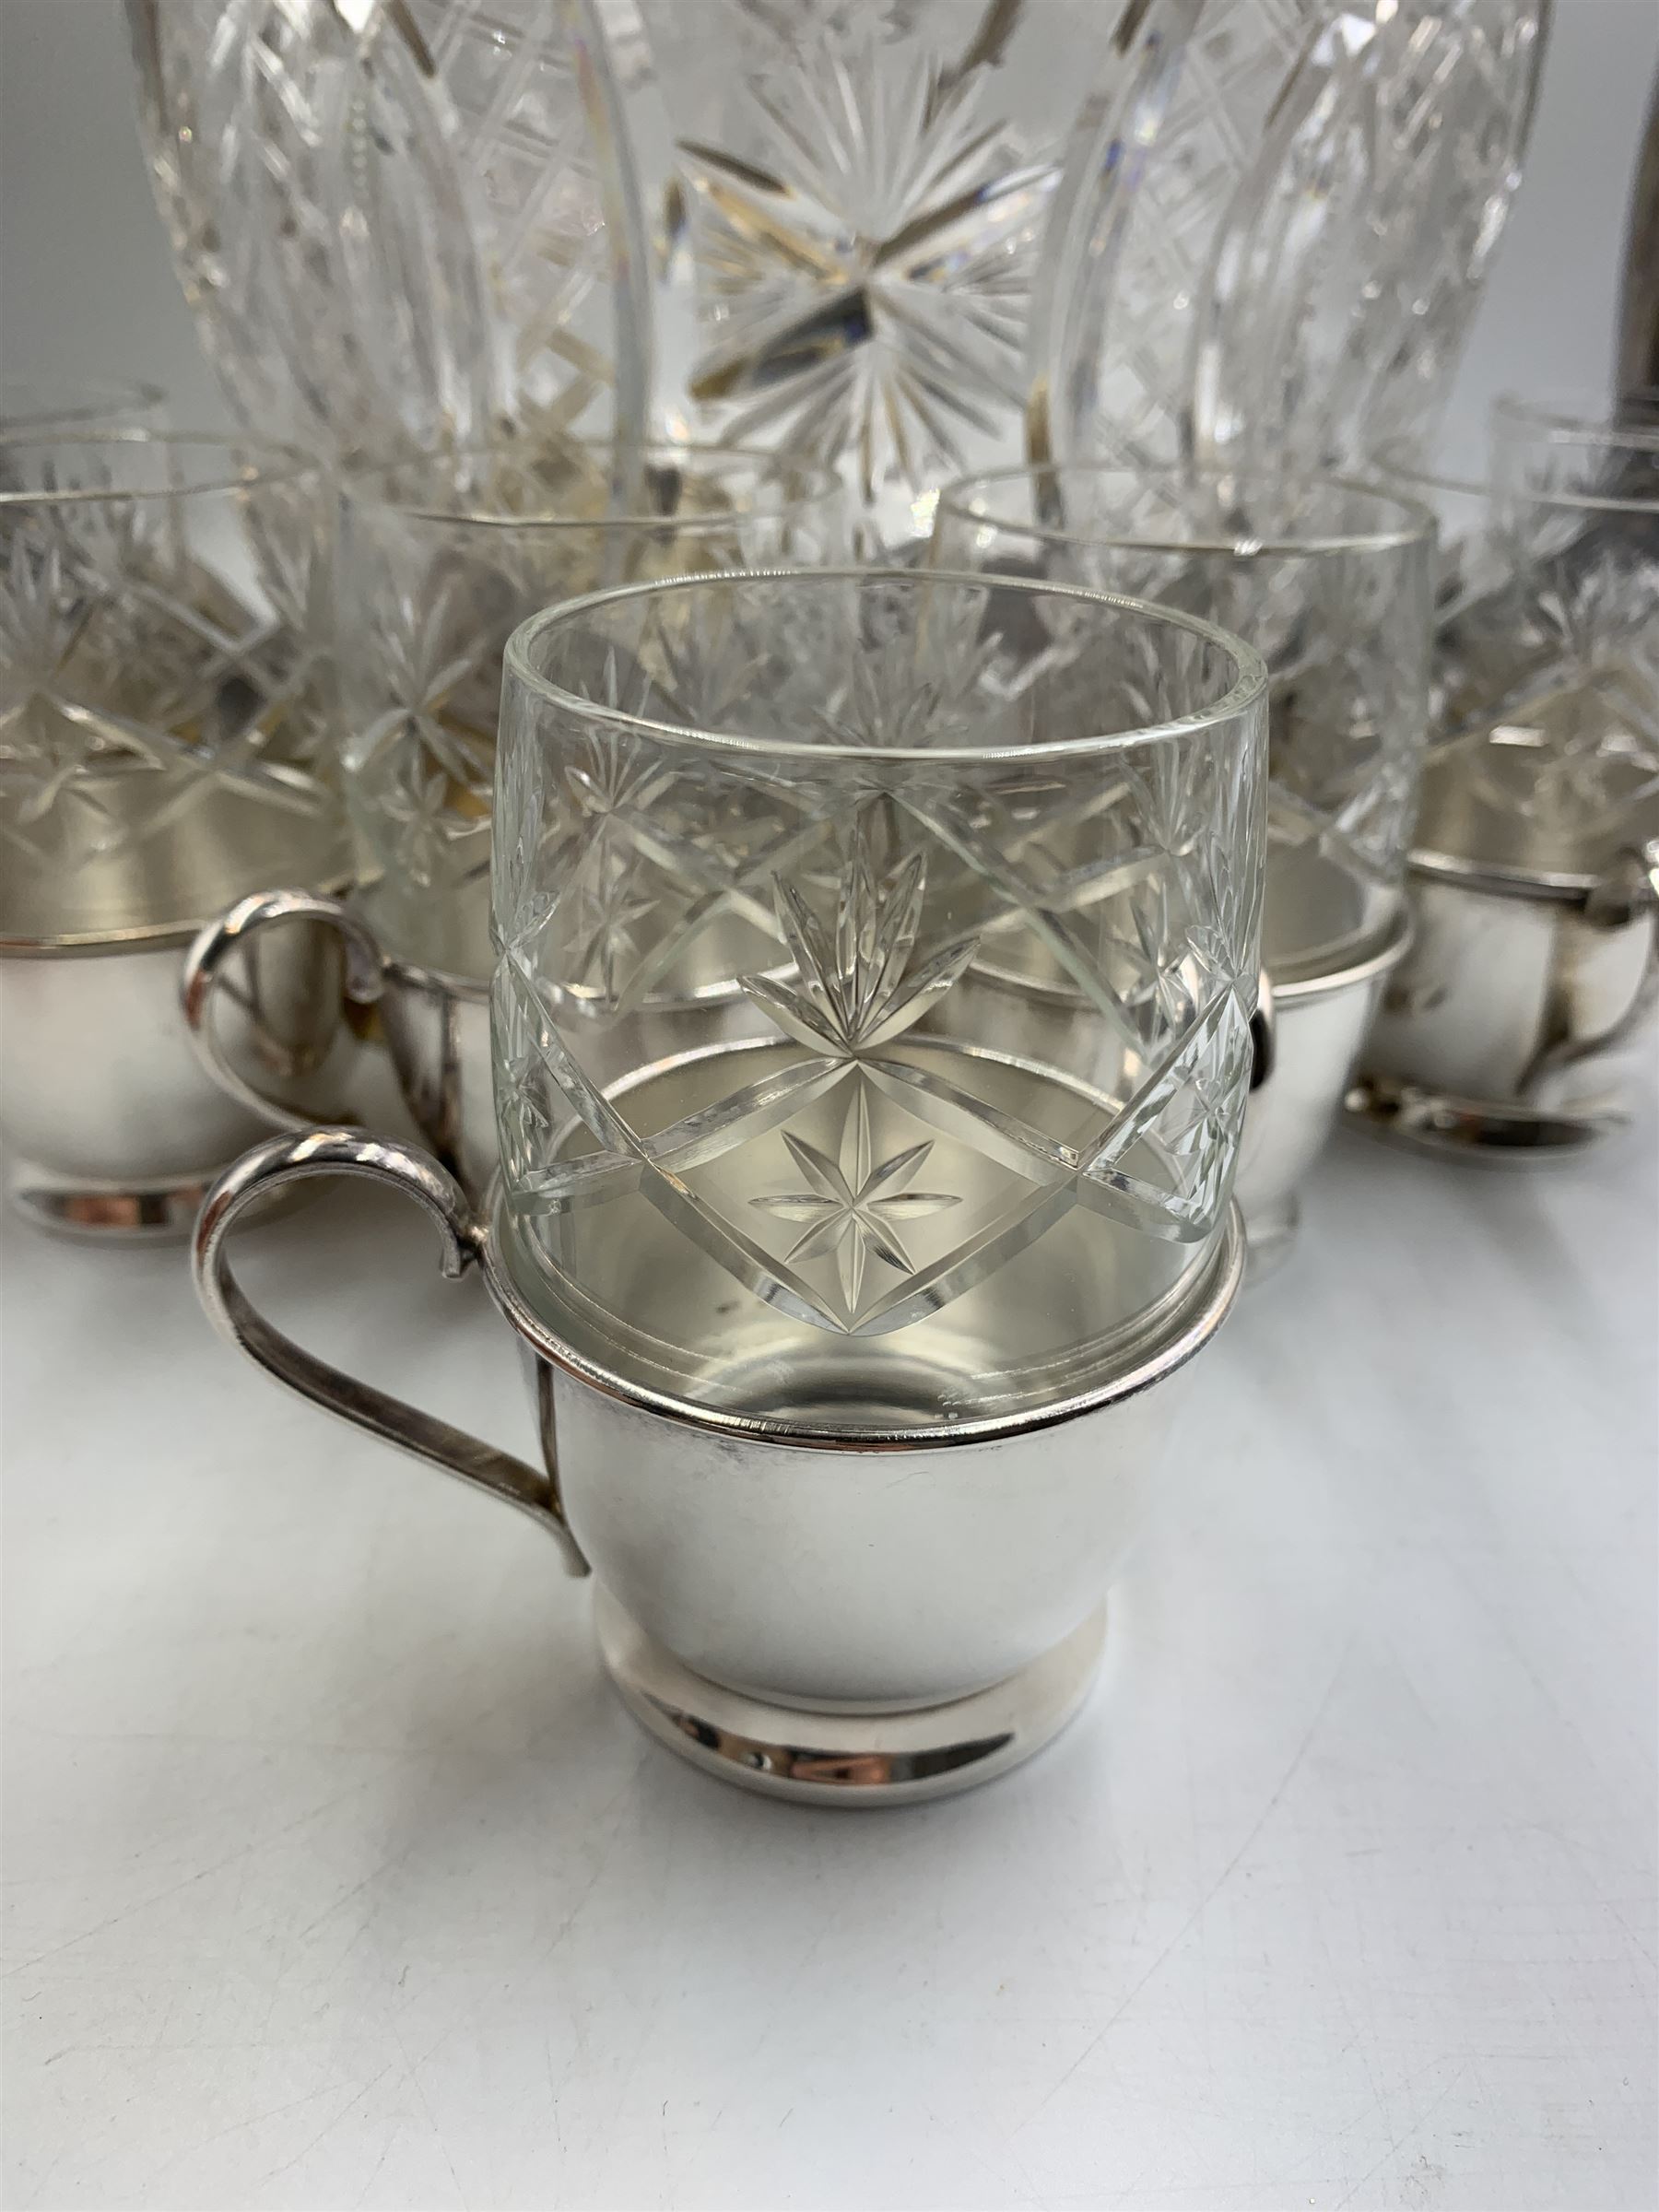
x: 1285, y: 262
x: 167, y: 714
x: 1546, y: 663
x: 441, y: 561
x: 860, y: 194
x: 1332, y: 585
x: 400, y: 223
x: 878, y: 1116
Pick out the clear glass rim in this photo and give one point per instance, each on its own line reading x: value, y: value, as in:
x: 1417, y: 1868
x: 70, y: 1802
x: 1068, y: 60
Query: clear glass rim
x: 1492, y: 495
x: 1414, y: 524
x: 1396, y: 469
x: 1249, y: 685
x: 266, y: 464
x: 820, y: 487
x: 25, y: 411
x: 1582, y: 423
x: 1582, y: 417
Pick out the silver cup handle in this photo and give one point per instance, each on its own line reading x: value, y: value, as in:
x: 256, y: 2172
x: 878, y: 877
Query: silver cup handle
x: 205, y: 978
x: 286, y: 1160
x: 1629, y: 888
x: 1628, y: 892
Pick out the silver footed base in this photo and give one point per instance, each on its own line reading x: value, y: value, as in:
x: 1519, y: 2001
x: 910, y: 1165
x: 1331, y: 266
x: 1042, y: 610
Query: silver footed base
x: 1502, y: 1132
x: 847, y: 1759
x: 106, y: 1213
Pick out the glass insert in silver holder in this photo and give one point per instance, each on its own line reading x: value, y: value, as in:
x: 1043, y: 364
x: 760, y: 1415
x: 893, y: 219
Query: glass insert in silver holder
x: 167, y: 730
x: 869, y: 1181
x: 441, y: 560
x: 1331, y: 583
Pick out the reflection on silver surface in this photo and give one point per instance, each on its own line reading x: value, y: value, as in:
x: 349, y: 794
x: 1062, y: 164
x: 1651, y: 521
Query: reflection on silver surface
x: 1319, y: 1028
x: 847, y: 1573
x: 1508, y: 1031
x: 436, y: 1029
x: 1055, y: 1290
x: 111, y: 1124
x: 857, y: 1759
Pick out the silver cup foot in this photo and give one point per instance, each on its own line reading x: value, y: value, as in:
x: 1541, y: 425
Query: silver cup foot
x: 842, y: 1758
x: 1504, y: 1133
x: 1270, y: 1234
x: 136, y: 1212
x: 106, y: 1213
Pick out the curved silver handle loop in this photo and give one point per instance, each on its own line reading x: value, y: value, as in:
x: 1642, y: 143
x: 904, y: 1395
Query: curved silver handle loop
x: 1630, y: 886
x: 1264, y: 1033
x: 286, y: 1160
x: 1628, y: 890
x: 204, y: 977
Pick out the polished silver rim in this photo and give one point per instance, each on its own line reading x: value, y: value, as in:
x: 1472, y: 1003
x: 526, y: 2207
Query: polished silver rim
x: 1378, y: 961
x: 142, y: 937
x: 1545, y: 887
x: 1172, y: 1341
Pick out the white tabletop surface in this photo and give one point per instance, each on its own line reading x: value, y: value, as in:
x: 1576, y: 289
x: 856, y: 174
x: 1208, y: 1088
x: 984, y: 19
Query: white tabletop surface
x: 338, y: 1875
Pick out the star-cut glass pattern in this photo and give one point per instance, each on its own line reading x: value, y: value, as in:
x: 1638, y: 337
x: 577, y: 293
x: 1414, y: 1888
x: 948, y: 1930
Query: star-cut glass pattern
x: 996, y: 999
x: 1550, y: 682
x: 854, y: 1204
x: 864, y: 193
x: 423, y: 761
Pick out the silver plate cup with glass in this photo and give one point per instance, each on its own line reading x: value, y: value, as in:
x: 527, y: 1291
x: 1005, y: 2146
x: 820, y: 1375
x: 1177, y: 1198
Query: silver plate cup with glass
x: 166, y: 731
x: 1331, y: 583
x: 440, y: 561
x: 854, y: 1293
x: 1532, y: 984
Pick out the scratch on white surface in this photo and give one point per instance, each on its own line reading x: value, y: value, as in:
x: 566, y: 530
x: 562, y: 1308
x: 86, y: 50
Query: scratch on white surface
x: 1405, y: 2136
x: 1209, y: 1896
x: 305, y: 2149
x: 216, y: 2135
x: 1638, y: 1941
x: 413, y: 2077
x: 202, y: 1874
x: 604, y: 1821
x: 374, y: 2171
